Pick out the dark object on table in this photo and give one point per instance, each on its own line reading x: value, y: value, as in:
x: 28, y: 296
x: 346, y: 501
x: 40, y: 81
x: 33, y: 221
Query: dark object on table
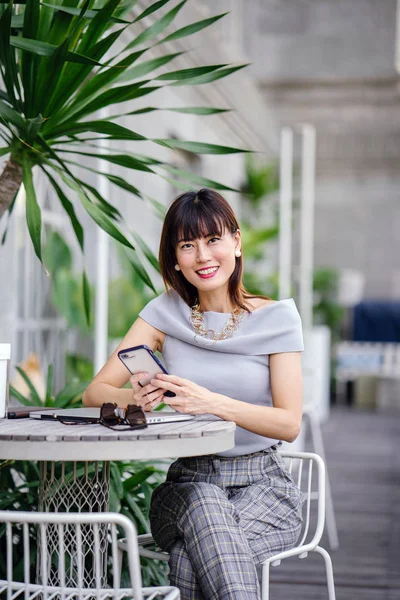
x: 22, y: 412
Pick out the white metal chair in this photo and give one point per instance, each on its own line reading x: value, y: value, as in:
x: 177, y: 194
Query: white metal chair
x: 311, y: 418
x: 308, y: 470
x: 66, y: 553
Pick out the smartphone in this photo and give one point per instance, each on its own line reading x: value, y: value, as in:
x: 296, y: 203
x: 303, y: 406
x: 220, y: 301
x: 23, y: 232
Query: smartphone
x: 142, y: 358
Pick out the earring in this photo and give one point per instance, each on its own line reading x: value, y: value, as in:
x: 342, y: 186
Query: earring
x: 238, y: 253
x: 177, y: 267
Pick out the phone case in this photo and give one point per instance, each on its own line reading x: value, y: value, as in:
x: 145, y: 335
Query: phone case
x: 142, y: 358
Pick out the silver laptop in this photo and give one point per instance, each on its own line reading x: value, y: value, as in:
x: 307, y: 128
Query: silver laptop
x: 92, y: 415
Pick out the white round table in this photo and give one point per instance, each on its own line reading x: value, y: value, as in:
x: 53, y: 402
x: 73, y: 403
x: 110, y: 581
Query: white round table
x: 75, y: 459
x: 57, y: 445
x: 33, y: 439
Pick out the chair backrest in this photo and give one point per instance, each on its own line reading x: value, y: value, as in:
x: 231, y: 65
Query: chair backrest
x: 308, y: 471
x: 70, y: 553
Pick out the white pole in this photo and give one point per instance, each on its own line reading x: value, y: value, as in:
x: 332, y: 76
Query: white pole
x: 285, y: 212
x: 102, y: 271
x: 307, y: 225
x: 397, y: 42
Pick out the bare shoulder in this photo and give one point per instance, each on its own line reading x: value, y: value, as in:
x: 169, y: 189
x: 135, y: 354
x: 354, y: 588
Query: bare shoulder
x: 256, y: 303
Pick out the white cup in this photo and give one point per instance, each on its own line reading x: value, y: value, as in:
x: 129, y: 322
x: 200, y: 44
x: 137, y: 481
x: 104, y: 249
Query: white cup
x: 5, y: 353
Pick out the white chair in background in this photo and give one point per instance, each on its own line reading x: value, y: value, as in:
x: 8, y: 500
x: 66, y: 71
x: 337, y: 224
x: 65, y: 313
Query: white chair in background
x: 62, y: 574
x: 308, y: 470
x: 312, y: 419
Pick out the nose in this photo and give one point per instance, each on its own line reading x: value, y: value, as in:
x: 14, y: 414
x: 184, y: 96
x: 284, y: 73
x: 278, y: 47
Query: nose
x: 203, y: 253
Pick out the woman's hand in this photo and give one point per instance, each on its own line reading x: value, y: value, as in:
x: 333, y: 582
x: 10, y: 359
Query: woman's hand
x: 148, y: 396
x: 190, y: 397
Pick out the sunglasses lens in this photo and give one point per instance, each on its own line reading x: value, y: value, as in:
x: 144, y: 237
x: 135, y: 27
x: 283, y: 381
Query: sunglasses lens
x: 134, y: 415
x: 107, y: 414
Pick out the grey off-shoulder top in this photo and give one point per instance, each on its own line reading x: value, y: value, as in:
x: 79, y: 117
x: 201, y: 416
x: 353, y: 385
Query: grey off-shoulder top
x: 237, y: 367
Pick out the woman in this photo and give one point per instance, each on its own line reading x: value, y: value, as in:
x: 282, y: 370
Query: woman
x: 233, y: 355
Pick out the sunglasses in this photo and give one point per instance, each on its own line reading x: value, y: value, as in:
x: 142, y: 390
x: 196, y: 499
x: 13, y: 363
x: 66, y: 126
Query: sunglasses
x: 112, y: 415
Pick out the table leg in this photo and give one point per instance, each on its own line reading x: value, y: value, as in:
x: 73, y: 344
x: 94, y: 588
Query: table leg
x: 74, y: 487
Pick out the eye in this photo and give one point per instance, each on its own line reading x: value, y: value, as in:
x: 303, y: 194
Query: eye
x: 184, y: 246
x: 214, y: 239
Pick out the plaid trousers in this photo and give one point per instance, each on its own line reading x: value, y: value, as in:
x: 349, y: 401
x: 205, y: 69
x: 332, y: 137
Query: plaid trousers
x: 219, y: 516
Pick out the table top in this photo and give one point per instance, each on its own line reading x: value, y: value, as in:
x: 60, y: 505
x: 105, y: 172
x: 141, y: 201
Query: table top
x: 32, y: 439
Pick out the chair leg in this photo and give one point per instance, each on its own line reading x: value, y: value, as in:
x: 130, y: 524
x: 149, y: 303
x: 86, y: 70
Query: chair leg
x: 318, y: 447
x: 120, y: 559
x: 329, y: 572
x: 265, y: 582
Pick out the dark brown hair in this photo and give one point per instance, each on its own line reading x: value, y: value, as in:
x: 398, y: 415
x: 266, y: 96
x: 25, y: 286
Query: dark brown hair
x: 193, y: 215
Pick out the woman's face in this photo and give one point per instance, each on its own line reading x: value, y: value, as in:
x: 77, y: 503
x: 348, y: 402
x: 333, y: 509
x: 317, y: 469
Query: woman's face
x: 208, y: 262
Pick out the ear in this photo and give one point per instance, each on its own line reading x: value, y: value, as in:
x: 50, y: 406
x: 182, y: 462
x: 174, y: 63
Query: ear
x: 238, y: 239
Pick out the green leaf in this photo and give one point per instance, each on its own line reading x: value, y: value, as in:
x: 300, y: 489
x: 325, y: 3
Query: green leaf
x: 4, y: 151
x: 191, y: 29
x: 131, y: 483
x: 105, y: 206
x: 189, y: 73
x: 197, y: 179
x: 198, y: 147
x: 157, y: 27
x: 147, y: 67
x: 89, y: 14
x: 103, y: 221
x: 56, y: 253
x: 151, y: 9
x: 116, y: 478
x: 111, y: 96
x: 209, y: 77
x: 137, y: 265
x: 190, y: 110
x: 146, y: 250
x: 136, y: 512
x: 8, y: 114
x: 115, y: 179
x: 158, y: 208
x: 33, y: 127
x: 125, y: 185
x: 199, y: 110
x: 49, y: 383
x: 101, y: 80
x: 45, y: 49
x: 9, y: 68
x: 98, y: 25
x: 28, y: 63
x: 34, y: 396
x: 70, y: 394
x: 113, y: 130
x: 87, y: 299
x: 184, y: 186
x: 19, y: 396
x: 123, y: 160
x: 33, y: 213
x: 69, y: 209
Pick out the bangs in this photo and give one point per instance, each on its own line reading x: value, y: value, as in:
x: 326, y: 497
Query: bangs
x: 199, y: 220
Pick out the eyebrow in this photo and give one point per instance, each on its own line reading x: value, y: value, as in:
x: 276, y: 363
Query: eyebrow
x: 191, y: 239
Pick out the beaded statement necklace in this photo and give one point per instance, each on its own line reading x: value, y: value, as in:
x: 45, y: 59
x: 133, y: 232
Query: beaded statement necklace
x: 197, y: 320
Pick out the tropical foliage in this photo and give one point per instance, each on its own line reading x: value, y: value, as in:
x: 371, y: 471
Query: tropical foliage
x: 62, y: 63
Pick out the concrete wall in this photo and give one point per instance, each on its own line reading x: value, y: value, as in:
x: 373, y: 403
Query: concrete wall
x: 331, y: 63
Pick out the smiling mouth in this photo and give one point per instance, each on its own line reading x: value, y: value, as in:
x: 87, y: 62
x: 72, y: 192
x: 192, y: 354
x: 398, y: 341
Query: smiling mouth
x: 209, y: 272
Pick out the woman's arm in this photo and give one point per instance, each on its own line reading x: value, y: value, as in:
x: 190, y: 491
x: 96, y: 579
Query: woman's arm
x: 281, y: 421
x: 106, y: 386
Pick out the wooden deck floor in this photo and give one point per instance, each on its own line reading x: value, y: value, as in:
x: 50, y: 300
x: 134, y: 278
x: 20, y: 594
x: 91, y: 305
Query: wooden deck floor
x: 363, y: 457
